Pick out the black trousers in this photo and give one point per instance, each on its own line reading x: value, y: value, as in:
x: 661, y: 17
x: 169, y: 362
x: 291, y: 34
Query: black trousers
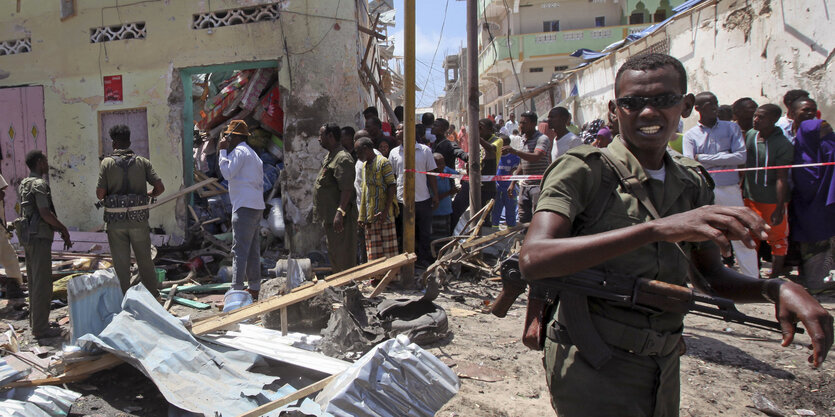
x: 423, y: 230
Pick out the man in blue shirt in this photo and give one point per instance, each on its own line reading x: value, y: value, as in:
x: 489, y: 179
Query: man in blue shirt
x: 505, y: 194
x: 718, y: 145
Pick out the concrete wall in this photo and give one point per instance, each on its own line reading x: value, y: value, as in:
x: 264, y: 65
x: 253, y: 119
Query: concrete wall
x: 757, y: 49
x: 572, y: 14
x: 319, y: 78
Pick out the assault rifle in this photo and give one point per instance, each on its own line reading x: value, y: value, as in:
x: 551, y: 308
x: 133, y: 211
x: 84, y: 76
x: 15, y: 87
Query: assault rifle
x: 638, y: 293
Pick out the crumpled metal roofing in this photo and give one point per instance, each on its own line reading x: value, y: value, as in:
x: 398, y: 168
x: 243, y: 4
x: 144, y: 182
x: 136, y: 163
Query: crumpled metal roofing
x: 396, y: 378
x: 190, y: 375
x: 42, y: 401
x: 94, y: 300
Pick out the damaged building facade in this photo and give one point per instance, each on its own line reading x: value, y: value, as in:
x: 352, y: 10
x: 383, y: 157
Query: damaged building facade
x: 758, y: 49
x: 69, y: 70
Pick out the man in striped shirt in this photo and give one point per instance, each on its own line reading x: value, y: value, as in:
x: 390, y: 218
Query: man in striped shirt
x: 536, y: 157
x: 377, y: 204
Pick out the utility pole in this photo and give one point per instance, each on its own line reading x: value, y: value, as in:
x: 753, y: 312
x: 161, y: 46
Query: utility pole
x: 472, y: 107
x: 407, y: 272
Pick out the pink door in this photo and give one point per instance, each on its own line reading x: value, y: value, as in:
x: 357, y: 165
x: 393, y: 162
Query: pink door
x: 22, y: 129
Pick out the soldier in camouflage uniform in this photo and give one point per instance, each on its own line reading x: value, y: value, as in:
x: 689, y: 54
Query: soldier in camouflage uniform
x: 36, y: 233
x: 122, y: 183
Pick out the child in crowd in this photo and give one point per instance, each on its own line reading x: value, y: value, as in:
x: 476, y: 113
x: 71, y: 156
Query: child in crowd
x: 505, y: 193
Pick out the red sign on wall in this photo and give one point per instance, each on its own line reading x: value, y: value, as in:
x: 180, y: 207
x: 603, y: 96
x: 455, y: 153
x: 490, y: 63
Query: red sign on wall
x: 113, y: 89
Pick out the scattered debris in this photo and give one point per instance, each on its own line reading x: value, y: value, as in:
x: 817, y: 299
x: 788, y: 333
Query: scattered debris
x: 479, y: 372
x: 766, y: 406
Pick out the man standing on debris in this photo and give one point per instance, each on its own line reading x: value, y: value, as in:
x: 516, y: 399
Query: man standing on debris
x: 333, y: 200
x: 244, y: 170
x: 123, y: 176
x: 36, y: 232
x: 636, y: 352
x: 377, y: 205
x: 13, y: 281
x: 719, y: 145
x: 536, y: 156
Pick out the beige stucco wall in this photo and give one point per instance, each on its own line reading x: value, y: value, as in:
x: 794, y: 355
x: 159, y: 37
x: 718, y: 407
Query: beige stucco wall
x: 71, y: 68
x: 760, y: 49
x: 572, y: 14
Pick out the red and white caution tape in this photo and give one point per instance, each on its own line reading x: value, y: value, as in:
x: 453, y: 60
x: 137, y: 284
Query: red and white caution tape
x: 487, y: 178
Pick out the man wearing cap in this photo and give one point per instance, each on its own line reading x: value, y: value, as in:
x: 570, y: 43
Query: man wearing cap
x: 243, y: 168
x: 122, y: 183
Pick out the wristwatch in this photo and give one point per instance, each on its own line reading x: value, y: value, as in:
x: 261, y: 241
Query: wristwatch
x: 340, y: 211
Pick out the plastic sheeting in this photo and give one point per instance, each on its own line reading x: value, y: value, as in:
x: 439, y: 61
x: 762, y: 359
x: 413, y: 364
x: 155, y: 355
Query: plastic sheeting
x: 396, y: 378
x: 46, y: 401
x: 94, y: 300
x: 191, y: 376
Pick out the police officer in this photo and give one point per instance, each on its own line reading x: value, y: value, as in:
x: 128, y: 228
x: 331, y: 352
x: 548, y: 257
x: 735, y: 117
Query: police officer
x: 635, y: 378
x: 122, y: 184
x: 36, y: 233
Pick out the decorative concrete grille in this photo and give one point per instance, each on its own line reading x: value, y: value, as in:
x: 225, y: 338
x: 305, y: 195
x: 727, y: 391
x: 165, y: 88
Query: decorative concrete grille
x: 231, y: 17
x: 118, y: 32
x: 601, y: 34
x: 661, y: 47
x: 633, y: 31
x: 576, y: 36
x: 16, y: 46
x: 545, y: 38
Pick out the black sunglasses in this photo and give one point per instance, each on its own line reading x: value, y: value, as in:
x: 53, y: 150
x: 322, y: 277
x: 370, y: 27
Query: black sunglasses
x: 663, y: 101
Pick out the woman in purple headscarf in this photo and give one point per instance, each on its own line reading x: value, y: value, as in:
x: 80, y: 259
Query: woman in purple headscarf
x: 812, y: 214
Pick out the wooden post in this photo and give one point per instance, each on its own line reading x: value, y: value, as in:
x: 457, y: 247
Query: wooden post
x: 284, y: 321
x: 472, y: 107
x: 407, y: 278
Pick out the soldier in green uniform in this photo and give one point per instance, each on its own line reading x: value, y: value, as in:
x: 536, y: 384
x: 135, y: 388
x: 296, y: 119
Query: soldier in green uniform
x: 333, y: 197
x: 640, y: 374
x: 36, y: 232
x: 122, y: 184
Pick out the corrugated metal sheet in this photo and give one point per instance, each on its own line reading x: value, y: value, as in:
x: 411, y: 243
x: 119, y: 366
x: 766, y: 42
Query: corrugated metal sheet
x: 9, y: 374
x: 94, y: 300
x: 45, y: 400
x: 191, y: 376
x: 395, y: 379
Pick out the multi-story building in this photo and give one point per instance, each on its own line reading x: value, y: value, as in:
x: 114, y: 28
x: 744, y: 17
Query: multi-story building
x: 523, y: 44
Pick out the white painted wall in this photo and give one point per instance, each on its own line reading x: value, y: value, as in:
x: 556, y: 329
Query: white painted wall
x: 758, y: 49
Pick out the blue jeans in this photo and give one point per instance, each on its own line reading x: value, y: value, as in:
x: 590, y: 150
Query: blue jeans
x: 246, y: 248
x: 506, y: 203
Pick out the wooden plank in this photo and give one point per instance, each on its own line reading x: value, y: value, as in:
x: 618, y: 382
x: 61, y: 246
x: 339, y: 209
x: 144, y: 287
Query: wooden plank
x: 341, y: 274
x: 370, y: 40
x: 384, y: 283
x: 201, y: 289
x: 171, y: 295
x: 289, y: 399
x: 74, y: 372
x: 284, y: 321
x: 371, y: 32
x: 274, y: 303
x: 380, y: 92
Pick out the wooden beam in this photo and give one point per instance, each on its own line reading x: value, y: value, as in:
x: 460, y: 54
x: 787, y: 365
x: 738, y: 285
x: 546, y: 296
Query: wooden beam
x: 74, y: 372
x: 381, y: 286
x: 380, y: 92
x: 284, y: 321
x: 371, y: 32
x: 274, y: 303
x: 289, y: 399
x: 171, y: 295
x: 370, y: 40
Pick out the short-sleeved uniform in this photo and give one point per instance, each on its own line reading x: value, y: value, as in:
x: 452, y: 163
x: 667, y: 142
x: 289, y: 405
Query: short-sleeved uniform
x: 529, y: 190
x: 337, y: 175
x: 34, y: 194
x: 122, y: 236
x: 634, y: 385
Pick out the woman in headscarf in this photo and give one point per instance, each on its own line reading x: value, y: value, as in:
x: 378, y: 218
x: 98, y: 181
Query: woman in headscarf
x: 813, y: 204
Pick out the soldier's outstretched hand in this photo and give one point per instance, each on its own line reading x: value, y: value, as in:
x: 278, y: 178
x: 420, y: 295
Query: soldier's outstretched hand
x: 717, y: 223
x: 795, y: 304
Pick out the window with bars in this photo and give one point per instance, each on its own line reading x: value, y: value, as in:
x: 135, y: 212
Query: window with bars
x: 240, y: 16
x: 535, y: 69
x: 551, y: 26
x: 118, y: 32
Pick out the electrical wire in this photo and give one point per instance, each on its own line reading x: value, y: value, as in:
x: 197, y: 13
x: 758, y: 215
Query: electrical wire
x: 440, y: 37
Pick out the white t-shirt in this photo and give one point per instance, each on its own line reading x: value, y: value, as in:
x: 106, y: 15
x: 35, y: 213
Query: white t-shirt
x: 563, y: 144
x: 424, y: 162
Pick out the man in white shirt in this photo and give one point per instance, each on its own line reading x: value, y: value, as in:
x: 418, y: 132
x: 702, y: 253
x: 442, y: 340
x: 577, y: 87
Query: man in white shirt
x: 242, y: 167
x: 717, y: 145
x: 425, y: 201
x: 558, y: 120
x: 8, y: 257
x: 510, y: 125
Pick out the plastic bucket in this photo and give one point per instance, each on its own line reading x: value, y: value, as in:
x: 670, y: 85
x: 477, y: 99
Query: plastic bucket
x: 235, y: 299
x: 160, y: 274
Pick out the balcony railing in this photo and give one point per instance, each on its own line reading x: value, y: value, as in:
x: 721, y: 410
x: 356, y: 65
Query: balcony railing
x: 545, y: 44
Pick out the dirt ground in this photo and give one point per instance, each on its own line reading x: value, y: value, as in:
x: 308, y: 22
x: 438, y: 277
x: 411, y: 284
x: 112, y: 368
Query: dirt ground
x: 724, y: 367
